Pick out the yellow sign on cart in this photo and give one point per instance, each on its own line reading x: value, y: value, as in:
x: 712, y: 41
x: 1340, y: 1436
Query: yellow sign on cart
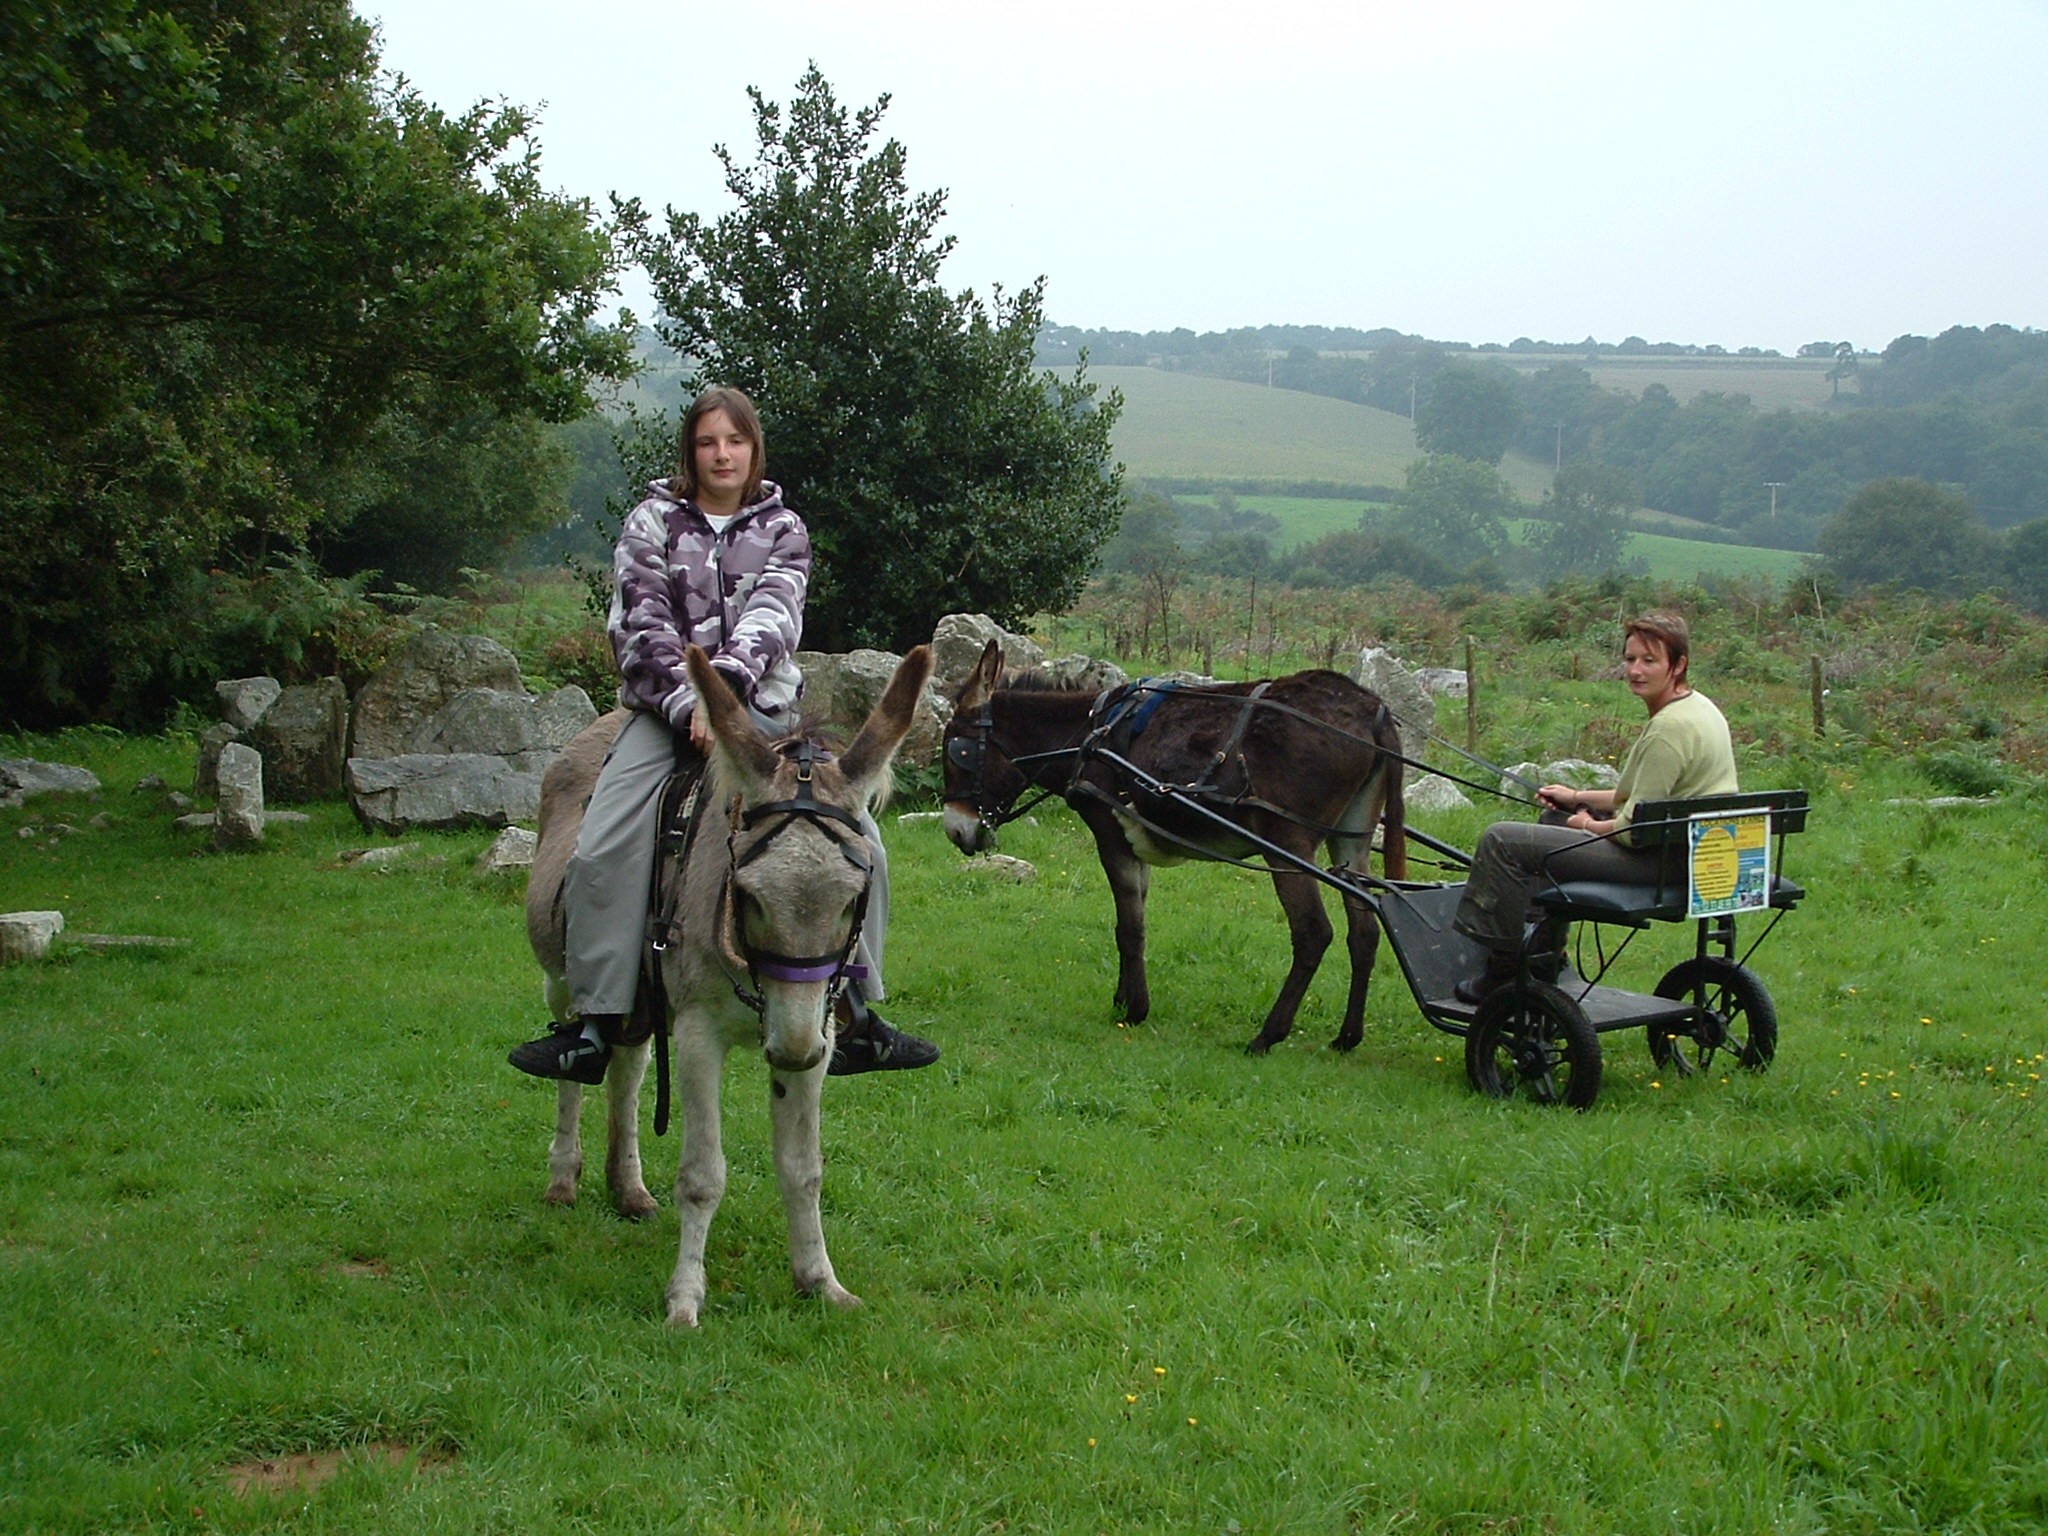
x: 1729, y: 869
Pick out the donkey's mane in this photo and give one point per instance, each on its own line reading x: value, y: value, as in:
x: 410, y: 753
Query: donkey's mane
x: 1037, y: 681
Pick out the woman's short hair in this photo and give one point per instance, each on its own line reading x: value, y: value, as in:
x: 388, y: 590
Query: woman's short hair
x: 1669, y: 631
x: 734, y: 402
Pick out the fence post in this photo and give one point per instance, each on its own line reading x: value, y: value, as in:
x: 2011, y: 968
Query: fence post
x: 1471, y: 700
x: 1820, y: 701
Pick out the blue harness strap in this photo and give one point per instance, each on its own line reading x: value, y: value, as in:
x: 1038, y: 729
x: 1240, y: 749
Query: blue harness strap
x: 1129, y: 709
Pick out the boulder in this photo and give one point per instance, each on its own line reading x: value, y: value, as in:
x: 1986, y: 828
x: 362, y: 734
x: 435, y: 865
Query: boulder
x: 22, y: 777
x: 1386, y: 675
x: 1083, y: 673
x: 418, y: 682
x: 1575, y: 771
x: 513, y: 849
x: 524, y: 730
x: 423, y: 789
x: 27, y: 935
x: 1000, y: 866
x: 238, y: 808
x: 244, y: 699
x: 301, y: 738
x: 840, y: 691
x: 1443, y: 682
x: 1433, y: 792
x: 958, y: 641
x: 206, y: 775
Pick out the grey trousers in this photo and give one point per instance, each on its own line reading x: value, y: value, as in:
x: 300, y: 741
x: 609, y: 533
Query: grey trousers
x: 1516, y: 859
x: 605, y: 887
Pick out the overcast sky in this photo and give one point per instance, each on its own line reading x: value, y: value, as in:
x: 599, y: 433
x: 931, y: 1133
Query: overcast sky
x: 1752, y: 174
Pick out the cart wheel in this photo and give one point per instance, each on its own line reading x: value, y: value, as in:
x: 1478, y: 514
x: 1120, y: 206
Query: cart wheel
x: 1740, y: 1017
x: 1533, y: 1041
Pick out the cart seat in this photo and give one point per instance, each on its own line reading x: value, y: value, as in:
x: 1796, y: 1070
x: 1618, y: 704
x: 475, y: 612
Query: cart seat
x: 1615, y: 901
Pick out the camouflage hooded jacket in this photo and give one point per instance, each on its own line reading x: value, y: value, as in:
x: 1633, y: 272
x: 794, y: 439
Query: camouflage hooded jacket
x: 739, y: 594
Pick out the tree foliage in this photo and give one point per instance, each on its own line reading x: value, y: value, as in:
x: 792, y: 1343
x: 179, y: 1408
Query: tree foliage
x: 1587, y: 521
x: 248, y: 286
x: 1454, y: 508
x: 1909, y: 533
x: 1472, y: 413
x: 938, y: 469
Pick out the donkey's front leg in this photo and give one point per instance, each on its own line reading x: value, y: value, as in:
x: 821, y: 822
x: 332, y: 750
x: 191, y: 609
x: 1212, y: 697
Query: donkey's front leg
x: 622, y: 1132
x: 700, y: 1177
x: 565, y: 1150
x: 800, y: 1170
x: 1129, y: 879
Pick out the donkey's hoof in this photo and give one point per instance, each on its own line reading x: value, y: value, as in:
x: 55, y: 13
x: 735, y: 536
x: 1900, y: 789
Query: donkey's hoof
x: 561, y: 1192
x: 1347, y: 1040
x: 838, y: 1295
x: 636, y: 1204
x: 682, y: 1311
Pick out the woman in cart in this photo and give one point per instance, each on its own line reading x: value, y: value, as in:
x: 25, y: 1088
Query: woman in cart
x: 1583, y: 834
x: 711, y: 558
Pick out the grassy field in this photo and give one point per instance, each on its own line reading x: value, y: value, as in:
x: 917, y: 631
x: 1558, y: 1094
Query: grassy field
x: 1304, y: 519
x: 273, y: 1257
x: 1795, y: 383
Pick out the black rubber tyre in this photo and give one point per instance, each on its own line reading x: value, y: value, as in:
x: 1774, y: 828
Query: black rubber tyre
x: 1741, y: 1019
x: 1534, y: 1042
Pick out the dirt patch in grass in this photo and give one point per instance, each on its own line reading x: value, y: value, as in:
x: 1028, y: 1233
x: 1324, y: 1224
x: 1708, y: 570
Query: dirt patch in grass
x: 303, y: 1471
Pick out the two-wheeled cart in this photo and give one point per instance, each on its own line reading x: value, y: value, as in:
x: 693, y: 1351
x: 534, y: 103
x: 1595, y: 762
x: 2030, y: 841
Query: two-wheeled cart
x: 1719, y: 859
x: 1538, y: 1039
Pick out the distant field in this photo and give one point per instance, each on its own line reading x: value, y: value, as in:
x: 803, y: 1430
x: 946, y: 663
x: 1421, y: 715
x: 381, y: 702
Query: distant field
x: 1183, y: 424
x: 1186, y: 425
x: 1798, y: 383
x: 1304, y: 519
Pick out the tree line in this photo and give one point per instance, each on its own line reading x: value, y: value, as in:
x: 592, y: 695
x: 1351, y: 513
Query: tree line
x: 285, y: 346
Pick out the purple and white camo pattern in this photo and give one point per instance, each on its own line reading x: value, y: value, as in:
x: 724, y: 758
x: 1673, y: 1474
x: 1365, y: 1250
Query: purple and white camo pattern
x: 738, y: 594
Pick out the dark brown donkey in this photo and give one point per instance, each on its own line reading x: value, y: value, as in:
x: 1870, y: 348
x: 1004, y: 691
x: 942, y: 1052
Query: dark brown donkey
x: 1314, y: 759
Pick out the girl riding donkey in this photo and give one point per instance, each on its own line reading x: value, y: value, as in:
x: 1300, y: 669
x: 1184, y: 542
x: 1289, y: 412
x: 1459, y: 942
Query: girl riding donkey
x: 711, y: 558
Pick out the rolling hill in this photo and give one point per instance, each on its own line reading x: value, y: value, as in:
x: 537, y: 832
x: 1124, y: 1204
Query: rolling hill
x: 1190, y: 426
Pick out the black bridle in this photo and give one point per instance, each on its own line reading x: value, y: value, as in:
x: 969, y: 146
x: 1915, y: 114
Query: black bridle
x: 802, y: 808
x: 969, y: 754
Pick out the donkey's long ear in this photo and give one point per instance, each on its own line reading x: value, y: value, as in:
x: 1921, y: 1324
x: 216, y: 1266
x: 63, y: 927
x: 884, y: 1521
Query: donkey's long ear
x: 890, y: 722
x: 727, y: 717
x: 981, y: 682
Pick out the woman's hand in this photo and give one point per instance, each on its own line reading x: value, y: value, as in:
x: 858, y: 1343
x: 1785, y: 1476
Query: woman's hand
x: 1559, y: 797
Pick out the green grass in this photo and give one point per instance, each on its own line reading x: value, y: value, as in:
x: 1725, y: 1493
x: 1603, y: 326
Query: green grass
x: 276, y: 1191
x: 1184, y: 424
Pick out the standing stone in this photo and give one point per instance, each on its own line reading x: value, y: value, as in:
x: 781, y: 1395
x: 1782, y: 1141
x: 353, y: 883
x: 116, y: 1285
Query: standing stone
x: 238, y: 810
x: 244, y: 699
x: 205, y: 777
x: 418, y: 682
x: 301, y: 738
x: 1384, y: 673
